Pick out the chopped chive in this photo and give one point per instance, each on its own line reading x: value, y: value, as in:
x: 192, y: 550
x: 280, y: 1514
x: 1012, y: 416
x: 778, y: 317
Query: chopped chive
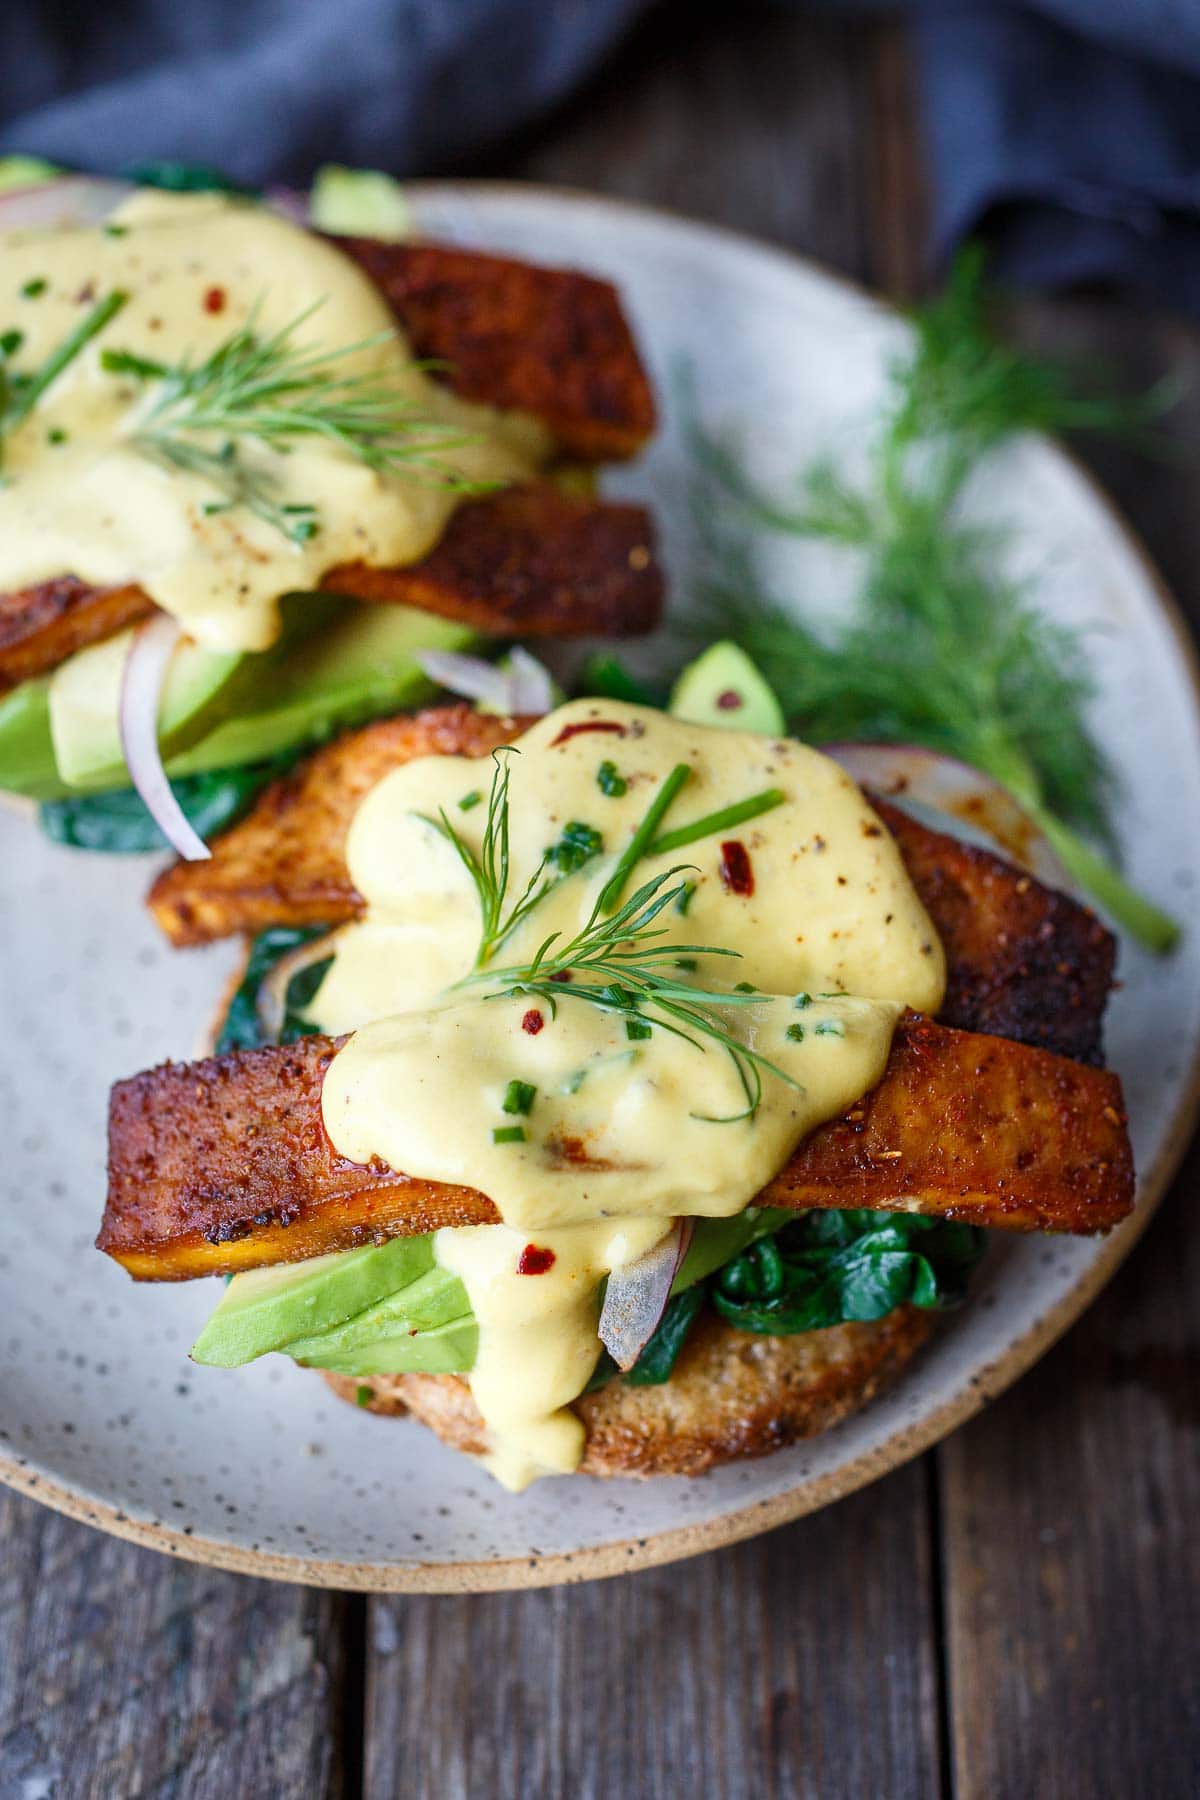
x: 363, y: 1396
x: 637, y: 1028
x: 829, y: 1028
x: 686, y: 962
x: 124, y: 362
x: 745, y: 987
x: 685, y: 897
x: 67, y: 351
x: 33, y: 290
x: 610, y: 781
x: 470, y: 800
x: 578, y: 844
x: 116, y: 230
x: 519, y: 1097
x: 212, y: 507
x: 718, y: 821
x: 796, y: 1033
x: 56, y: 436
x: 508, y: 1134
x: 801, y: 1001
x: 573, y: 1082
x: 642, y: 837
x: 10, y: 342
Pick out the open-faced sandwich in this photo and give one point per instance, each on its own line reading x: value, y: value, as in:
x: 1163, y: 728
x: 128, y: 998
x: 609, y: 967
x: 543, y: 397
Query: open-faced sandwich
x: 612, y: 1091
x: 253, y: 473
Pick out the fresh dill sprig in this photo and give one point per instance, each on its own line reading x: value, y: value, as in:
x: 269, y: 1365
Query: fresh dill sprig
x: 275, y: 391
x: 20, y: 391
x: 941, y: 647
x: 617, y: 963
x: 490, y: 868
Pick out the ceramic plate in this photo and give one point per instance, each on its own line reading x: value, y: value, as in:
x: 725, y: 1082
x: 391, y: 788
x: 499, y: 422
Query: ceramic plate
x: 102, y: 1414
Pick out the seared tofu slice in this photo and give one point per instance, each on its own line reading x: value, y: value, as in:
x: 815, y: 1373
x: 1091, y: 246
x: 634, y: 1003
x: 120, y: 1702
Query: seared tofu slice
x: 225, y: 1164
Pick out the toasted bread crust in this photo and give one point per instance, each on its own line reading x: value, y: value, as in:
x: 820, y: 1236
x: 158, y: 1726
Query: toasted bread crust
x: 550, y: 342
x: 731, y: 1396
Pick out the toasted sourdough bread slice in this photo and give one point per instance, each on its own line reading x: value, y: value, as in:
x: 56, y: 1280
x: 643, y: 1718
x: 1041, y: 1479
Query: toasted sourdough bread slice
x: 1023, y: 962
x: 550, y: 343
x: 732, y: 1395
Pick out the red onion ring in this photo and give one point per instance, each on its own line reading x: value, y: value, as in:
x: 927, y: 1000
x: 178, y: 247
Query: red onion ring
x: 141, y: 688
x: 636, y: 1297
x: 956, y: 792
x: 524, y: 687
x: 67, y: 200
x: 271, y: 1001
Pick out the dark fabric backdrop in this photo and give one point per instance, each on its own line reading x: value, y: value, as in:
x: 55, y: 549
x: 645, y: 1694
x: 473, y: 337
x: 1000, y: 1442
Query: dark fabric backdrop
x: 1069, y: 131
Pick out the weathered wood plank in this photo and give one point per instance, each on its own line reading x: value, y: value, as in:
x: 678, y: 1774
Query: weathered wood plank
x: 800, y: 1665
x: 126, y: 1673
x: 1071, y: 1556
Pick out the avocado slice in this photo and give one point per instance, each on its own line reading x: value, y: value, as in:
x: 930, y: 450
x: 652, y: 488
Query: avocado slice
x: 436, y: 1298
x: 265, y: 1309
x: 723, y: 687
x: 445, y: 1350
x: 85, y: 697
x: 27, y: 763
x: 338, y: 663
x: 359, y: 203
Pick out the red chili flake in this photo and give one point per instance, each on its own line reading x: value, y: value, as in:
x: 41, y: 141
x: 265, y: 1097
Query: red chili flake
x: 535, y: 1260
x: 561, y: 975
x: 570, y: 731
x: 729, y: 701
x: 737, y: 872
x: 214, y: 300
x: 532, y: 1022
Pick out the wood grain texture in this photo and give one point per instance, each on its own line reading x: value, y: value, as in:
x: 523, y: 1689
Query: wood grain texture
x: 125, y: 1673
x: 1070, y: 1554
x: 742, y: 1673
x: 1067, y: 1665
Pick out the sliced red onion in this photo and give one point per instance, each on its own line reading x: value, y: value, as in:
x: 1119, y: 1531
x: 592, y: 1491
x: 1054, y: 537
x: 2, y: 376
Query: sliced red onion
x: 636, y: 1297
x: 531, y: 687
x: 68, y: 200
x: 956, y: 792
x: 290, y: 203
x: 524, y: 687
x: 271, y: 1001
x: 141, y: 687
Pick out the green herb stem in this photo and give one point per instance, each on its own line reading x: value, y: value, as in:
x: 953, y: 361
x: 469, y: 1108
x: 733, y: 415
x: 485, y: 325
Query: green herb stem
x: 643, y: 837
x: 722, y: 820
x: 1151, y: 927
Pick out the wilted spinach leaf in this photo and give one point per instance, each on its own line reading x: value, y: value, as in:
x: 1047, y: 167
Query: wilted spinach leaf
x: 829, y: 1267
x: 119, y: 824
x: 241, y: 1029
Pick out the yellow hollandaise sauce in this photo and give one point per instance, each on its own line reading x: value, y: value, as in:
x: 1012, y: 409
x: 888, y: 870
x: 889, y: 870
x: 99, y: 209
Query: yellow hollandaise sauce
x: 592, y: 1114
x: 99, y: 484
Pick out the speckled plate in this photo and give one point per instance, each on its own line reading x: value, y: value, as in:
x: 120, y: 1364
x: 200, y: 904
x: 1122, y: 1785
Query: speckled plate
x: 101, y: 1413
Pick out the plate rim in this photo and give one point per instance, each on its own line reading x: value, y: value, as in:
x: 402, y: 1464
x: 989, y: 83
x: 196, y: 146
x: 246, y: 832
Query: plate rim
x: 605, y: 1560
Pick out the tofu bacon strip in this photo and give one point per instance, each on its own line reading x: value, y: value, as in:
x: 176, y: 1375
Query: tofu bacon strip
x: 529, y: 561
x: 1024, y: 962
x: 225, y: 1164
x: 546, y: 342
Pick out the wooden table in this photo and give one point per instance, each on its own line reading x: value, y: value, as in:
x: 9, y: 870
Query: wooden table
x: 1014, y: 1615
